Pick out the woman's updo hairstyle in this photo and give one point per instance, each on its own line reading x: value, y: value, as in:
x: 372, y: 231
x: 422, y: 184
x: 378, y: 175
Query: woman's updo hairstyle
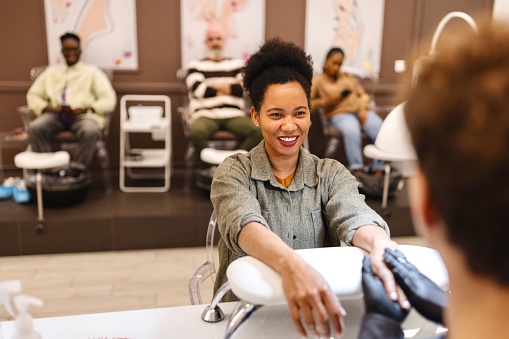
x: 276, y: 62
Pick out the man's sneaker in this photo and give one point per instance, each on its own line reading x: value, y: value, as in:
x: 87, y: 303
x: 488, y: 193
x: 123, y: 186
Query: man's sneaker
x: 20, y: 192
x: 7, y: 187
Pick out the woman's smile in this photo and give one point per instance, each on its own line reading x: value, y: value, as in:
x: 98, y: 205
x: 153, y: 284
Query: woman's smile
x: 288, y: 141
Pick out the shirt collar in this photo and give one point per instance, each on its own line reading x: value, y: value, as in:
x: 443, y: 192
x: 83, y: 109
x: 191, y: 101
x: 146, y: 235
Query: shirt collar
x: 76, y: 66
x: 306, y: 173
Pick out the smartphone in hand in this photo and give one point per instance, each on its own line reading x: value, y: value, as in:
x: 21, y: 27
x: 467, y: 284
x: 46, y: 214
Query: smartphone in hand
x: 66, y: 114
x: 66, y: 109
x: 345, y: 93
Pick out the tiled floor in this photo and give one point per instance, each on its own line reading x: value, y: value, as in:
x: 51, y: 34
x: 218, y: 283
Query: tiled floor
x: 104, y: 281
x: 110, y: 281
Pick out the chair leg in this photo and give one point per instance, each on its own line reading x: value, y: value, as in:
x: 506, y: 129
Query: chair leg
x: 213, y: 312
x: 189, y: 161
x: 385, y: 193
x: 203, y: 272
x: 39, y: 227
x: 332, y: 146
x: 104, y: 160
x: 242, y: 311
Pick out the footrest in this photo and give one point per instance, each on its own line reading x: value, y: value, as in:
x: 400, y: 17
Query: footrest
x: 41, y: 161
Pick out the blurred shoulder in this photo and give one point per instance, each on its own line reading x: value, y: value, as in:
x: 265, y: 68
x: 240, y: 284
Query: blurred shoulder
x: 318, y: 78
x: 235, y: 161
x: 90, y: 67
x: 330, y: 167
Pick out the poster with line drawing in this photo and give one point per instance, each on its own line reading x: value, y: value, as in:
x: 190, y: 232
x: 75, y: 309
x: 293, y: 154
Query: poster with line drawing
x: 107, y: 29
x: 353, y: 25
x: 243, y: 22
x: 501, y: 10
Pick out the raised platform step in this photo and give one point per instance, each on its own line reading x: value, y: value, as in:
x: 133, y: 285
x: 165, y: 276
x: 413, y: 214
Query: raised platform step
x: 125, y: 221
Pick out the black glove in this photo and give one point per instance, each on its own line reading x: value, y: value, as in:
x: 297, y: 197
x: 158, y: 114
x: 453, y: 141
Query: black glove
x: 427, y: 298
x: 376, y: 299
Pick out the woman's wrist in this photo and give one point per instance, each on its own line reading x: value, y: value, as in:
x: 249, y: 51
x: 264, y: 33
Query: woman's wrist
x: 288, y: 262
x: 383, y: 241
x: 369, y: 237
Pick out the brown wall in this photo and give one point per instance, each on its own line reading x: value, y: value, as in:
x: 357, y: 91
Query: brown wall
x: 22, y: 35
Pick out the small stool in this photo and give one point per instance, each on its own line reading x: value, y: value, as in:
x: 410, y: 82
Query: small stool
x: 216, y: 156
x: 38, y: 162
x: 213, y: 157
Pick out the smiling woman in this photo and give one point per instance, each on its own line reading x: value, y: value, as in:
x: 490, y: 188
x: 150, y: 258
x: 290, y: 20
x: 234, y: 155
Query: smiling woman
x: 279, y: 197
x: 284, y: 121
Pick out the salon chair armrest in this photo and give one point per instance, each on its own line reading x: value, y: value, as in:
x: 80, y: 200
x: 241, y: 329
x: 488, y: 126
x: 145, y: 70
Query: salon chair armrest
x: 254, y: 282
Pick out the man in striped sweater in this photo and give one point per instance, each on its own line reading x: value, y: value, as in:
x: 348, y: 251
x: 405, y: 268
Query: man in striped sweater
x: 216, y: 96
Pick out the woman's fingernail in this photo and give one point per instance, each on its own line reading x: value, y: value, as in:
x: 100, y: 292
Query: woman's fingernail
x: 394, y: 296
x: 343, y: 312
x: 322, y: 330
x: 406, y: 304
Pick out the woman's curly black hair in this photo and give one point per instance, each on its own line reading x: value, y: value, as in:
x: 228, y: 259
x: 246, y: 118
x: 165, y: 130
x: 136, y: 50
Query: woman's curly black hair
x: 276, y: 62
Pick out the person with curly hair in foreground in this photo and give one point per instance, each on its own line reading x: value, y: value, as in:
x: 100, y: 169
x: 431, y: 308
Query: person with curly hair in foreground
x: 458, y: 118
x: 278, y: 197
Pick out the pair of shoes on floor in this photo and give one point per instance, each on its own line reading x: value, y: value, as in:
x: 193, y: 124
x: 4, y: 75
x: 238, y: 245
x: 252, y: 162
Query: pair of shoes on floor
x: 21, y: 194
x: 7, y: 187
x: 15, y: 187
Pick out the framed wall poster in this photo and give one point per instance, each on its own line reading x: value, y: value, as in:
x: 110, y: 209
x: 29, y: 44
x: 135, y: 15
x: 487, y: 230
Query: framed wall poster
x: 243, y: 22
x: 353, y: 25
x: 107, y: 29
x: 501, y: 10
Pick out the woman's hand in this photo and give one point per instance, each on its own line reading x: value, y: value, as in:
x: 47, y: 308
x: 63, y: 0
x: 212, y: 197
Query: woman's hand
x: 381, y: 269
x: 376, y: 300
x: 313, y: 306
x: 375, y: 240
x: 362, y: 115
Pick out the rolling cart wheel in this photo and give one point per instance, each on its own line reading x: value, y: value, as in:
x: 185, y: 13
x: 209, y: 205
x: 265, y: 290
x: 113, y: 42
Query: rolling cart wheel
x: 39, y: 227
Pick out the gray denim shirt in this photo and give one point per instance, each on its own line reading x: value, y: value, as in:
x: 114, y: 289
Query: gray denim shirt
x: 321, y: 206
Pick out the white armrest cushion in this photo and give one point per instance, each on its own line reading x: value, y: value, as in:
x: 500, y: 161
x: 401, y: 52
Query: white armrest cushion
x: 254, y: 282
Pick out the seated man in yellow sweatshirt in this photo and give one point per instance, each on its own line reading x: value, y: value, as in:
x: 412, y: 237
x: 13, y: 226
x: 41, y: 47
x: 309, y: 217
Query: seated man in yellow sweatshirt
x: 73, y: 96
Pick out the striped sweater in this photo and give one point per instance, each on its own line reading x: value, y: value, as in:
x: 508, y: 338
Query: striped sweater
x: 203, y: 101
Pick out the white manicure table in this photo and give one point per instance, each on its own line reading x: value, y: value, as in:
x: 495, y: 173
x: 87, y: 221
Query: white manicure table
x: 185, y: 322
x: 270, y: 321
